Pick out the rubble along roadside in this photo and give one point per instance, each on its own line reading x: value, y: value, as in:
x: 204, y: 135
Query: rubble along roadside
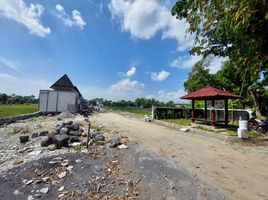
x: 44, y: 136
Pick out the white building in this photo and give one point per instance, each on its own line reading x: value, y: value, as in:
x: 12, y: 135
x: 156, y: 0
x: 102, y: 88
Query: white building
x: 64, y: 97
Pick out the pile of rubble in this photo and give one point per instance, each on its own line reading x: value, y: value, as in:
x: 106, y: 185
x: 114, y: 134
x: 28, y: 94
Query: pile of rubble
x: 68, y: 134
x: 64, y: 135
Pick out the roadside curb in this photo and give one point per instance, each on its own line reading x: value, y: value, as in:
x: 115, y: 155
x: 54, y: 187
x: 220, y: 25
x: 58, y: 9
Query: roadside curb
x: 14, y: 119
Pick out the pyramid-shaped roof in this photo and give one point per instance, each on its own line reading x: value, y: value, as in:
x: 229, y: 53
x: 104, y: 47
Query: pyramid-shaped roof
x: 64, y: 83
x: 210, y: 93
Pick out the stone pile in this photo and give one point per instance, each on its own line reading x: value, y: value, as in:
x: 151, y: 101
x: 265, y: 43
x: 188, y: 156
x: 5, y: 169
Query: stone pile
x: 64, y: 134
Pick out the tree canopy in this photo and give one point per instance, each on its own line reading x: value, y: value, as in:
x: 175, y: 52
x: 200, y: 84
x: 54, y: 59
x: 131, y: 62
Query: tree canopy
x: 234, y: 29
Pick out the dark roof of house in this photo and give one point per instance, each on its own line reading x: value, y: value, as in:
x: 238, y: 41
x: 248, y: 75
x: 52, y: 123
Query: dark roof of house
x: 63, y: 83
x: 210, y: 93
x: 76, y: 89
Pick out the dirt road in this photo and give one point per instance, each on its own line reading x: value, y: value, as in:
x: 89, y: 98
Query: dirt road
x: 236, y: 171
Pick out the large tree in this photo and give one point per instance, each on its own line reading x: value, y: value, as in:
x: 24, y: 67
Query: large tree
x: 199, y: 77
x: 237, y: 29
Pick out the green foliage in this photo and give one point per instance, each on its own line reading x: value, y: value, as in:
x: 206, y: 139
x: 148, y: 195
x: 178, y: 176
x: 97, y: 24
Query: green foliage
x: 233, y: 29
x: 15, y: 110
x: 16, y: 99
x: 199, y: 76
x: 139, y: 103
x: 135, y: 110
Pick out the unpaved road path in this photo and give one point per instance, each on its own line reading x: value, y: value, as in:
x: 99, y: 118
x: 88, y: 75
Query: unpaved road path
x: 236, y: 170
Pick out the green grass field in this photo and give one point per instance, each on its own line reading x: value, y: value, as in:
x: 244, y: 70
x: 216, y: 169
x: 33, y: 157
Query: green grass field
x: 138, y: 111
x: 18, y: 109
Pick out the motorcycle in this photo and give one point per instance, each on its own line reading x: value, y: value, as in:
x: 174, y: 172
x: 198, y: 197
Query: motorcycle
x: 258, y: 125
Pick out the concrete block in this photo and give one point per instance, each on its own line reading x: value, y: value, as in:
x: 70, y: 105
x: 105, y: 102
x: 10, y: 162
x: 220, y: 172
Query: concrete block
x: 242, y: 133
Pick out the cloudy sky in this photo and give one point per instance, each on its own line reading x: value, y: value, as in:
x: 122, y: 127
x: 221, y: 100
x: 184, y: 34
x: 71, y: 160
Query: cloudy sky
x: 115, y: 49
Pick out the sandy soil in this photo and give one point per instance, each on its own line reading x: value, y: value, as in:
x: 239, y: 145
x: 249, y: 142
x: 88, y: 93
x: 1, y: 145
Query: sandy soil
x: 232, y: 170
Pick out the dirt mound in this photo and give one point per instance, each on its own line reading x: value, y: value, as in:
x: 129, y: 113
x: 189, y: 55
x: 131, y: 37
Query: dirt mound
x: 66, y: 115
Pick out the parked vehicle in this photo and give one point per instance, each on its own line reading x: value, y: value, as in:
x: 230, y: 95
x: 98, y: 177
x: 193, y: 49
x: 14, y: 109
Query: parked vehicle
x: 258, y: 125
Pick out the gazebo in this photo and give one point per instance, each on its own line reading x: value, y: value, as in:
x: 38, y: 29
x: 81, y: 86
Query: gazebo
x: 210, y: 93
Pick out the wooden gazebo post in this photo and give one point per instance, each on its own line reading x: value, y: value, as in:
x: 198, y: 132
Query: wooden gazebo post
x: 193, y: 110
x: 206, y: 110
x: 212, y: 117
x: 226, y: 112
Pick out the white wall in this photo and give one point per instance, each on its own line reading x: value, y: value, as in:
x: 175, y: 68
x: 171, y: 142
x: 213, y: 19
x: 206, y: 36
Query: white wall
x: 57, y: 101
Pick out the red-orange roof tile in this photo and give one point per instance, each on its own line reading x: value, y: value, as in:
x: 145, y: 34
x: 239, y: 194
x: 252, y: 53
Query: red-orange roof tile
x: 210, y: 93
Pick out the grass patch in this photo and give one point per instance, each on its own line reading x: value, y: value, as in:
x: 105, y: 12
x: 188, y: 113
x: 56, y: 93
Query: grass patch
x: 208, y: 129
x: 96, y: 127
x: 138, y: 111
x: 18, y: 109
x: 15, y: 130
x: 78, y: 148
x: 231, y: 133
x: 182, y: 121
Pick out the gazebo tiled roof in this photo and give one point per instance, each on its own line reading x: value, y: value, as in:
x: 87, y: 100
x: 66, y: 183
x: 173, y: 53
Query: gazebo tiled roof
x: 208, y: 93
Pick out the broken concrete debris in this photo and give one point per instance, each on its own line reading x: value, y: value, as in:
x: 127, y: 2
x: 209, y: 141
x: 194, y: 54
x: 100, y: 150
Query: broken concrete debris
x: 43, y: 133
x: 115, y: 142
x: 35, y: 135
x: 47, y: 141
x: 24, y: 139
x: 61, y: 141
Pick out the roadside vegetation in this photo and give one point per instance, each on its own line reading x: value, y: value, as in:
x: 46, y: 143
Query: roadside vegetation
x: 239, y: 36
x: 134, y: 110
x: 182, y: 121
x: 17, y: 109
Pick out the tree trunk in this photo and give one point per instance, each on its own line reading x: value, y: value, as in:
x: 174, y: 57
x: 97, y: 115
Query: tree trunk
x: 255, y: 101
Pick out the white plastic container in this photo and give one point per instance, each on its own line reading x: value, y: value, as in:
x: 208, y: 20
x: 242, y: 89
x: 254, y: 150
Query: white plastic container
x: 242, y: 131
x: 243, y: 124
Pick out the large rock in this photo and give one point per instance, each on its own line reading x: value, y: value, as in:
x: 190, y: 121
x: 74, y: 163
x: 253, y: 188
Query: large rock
x: 61, y: 141
x: 58, y: 127
x: 74, y: 139
x: 24, y: 138
x: 64, y: 130
x: 75, y: 127
x: 97, y: 137
x: 47, y: 141
x: 43, y: 133
x: 70, y: 127
x: 52, y: 147
x: 115, y: 142
x: 35, y: 135
x: 68, y: 123
x: 74, y: 133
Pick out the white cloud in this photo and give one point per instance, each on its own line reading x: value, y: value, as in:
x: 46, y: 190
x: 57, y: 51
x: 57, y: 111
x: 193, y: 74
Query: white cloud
x: 165, y: 96
x: 28, y: 16
x: 131, y: 72
x: 75, y: 20
x: 123, y: 89
x: 189, y: 61
x: 216, y: 63
x: 127, y: 85
x: 160, y: 76
x: 22, y: 85
x: 143, y: 19
x: 185, y: 61
x: 8, y: 63
x: 99, y: 9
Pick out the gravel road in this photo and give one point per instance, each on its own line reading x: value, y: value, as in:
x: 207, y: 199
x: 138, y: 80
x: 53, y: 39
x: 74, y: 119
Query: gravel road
x: 219, y: 169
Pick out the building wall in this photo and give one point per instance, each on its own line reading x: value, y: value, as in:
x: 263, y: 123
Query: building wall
x: 57, y: 101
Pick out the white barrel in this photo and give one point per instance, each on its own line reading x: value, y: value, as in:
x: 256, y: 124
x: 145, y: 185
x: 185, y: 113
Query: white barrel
x: 243, y: 124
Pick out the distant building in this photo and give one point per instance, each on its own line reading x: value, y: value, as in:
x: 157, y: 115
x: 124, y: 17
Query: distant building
x: 64, y: 97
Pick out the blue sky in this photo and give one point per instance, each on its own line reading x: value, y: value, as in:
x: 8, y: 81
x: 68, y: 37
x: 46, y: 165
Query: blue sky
x: 115, y: 49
